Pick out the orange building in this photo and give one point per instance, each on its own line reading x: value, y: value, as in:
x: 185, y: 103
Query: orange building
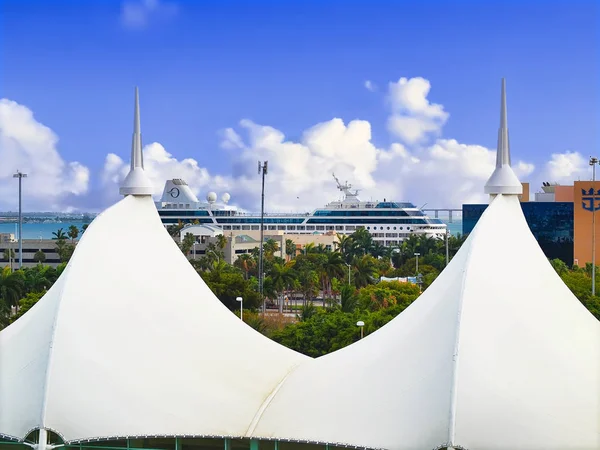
x: 564, y: 193
x: 524, y: 197
x: 586, y: 199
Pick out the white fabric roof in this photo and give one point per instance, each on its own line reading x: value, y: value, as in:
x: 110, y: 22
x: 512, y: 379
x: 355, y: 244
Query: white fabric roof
x: 131, y: 341
x: 496, y: 354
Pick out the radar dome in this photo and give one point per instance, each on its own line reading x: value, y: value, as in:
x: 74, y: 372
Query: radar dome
x: 211, y: 197
x: 225, y: 197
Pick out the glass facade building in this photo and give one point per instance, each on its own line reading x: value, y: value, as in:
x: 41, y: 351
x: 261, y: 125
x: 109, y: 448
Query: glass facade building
x: 551, y: 223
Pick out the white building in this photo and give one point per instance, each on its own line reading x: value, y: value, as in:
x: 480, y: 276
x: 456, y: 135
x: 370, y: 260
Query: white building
x: 137, y: 352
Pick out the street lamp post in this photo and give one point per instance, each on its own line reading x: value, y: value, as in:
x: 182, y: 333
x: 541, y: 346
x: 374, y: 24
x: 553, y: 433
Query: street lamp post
x: 20, y: 175
x: 361, y: 324
x: 417, y: 262
x: 241, y: 300
x: 447, y: 252
x: 593, y: 162
x: 349, y: 267
x: 262, y: 169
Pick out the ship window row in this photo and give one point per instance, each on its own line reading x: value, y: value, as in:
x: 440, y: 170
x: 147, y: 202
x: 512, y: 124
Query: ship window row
x: 194, y: 213
x: 257, y: 220
x: 394, y: 205
x: 175, y: 221
x: 370, y: 221
x: 370, y: 213
x: 177, y: 205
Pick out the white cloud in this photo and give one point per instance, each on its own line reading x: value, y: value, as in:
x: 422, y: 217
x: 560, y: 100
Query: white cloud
x: 370, y: 86
x: 137, y: 14
x: 31, y: 147
x: 413, y: 117
x: 444, y: 174
x: 567, y: 167
x: 160, y: 166
x: 441, y: 173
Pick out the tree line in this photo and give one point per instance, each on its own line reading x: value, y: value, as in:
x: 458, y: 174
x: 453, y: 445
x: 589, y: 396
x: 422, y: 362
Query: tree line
x: 344, y: 279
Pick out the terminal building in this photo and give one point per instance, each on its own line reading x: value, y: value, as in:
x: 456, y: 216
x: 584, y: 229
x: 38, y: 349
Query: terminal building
x: 560, y: 218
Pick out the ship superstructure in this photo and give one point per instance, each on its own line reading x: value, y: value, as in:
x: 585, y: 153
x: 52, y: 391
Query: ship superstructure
x: 389, y: 222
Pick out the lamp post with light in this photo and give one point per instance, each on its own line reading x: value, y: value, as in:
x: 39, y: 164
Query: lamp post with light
x: 593, y: 163
x: 241, y: 300
x: 361, y: 324
x: 447, y: 250
x: 417, y: 262
x: 20, y: 175
x: 262, y: 170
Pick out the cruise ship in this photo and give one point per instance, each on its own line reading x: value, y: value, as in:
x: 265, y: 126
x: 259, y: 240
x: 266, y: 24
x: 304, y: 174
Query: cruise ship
x: 388, y: 222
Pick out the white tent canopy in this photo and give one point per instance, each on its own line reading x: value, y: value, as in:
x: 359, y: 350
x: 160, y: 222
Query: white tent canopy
x: 496, y: 354
x: 131, y: 341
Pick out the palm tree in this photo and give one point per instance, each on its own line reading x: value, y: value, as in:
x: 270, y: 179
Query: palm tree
x: 344, y: 245
x: 246, y: 263
x: 36, y: 279
x: 365, y: 271
x: 174, y: 230
x: 349, y: 301
x: 283, y: 277
x: 290, y: 248
x: 269, y: 248
x: 363, y: 242
x: 12, y: 286
x: 59, y: 234
x: 309, y: 248
x: 333, y: 267
x: 73, y: 233
x: 9, y: 254
x: 321, y: 249
x: 221, y: 241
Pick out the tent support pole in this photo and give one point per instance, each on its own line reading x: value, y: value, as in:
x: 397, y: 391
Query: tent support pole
x: 254, y: 444
x: 227, y: 444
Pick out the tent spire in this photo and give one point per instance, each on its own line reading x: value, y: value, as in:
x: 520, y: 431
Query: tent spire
x: 503, y: 179
x: 136, y: 182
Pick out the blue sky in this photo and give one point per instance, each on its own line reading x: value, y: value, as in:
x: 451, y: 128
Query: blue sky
x: 206, y: 65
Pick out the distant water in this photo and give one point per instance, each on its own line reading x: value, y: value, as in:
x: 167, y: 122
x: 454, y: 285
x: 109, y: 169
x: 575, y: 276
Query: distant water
x: 455, y: 227
x: 38, y: 230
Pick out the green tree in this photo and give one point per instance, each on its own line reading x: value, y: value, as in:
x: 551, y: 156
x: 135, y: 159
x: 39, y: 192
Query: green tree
x: 228, y: 283
x: 9, y: 254
x: 345, y: 246
x: 59, y: 234
x: 283, y: 278
x: 73, y: 233
x: 27, y: 302
x: 387, y: 293
x: 221, y: 242
x: 364, y: 270
x: 187, y: 243
x: 246, y: 263
x: 39, y: 257
x: 332, y: 266
x: 12, y: 286
x: 63, y: 249
x: 349, y: 300
x: 290, y: 248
